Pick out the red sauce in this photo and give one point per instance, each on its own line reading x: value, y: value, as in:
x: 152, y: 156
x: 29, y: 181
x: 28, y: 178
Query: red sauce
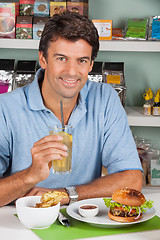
x: 88, y: 207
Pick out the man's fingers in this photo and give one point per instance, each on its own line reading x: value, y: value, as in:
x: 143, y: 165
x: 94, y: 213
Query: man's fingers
x: 52, y: 138
x: 49, y: 145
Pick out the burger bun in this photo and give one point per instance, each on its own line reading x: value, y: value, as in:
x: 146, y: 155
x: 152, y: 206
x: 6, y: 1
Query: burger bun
x: 128, y: 196
x: 123, y: 219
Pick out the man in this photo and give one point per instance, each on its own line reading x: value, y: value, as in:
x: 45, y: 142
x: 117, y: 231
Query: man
x: 101, y: 135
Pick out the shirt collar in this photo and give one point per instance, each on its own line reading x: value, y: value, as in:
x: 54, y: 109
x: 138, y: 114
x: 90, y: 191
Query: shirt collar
x: 34, y: 97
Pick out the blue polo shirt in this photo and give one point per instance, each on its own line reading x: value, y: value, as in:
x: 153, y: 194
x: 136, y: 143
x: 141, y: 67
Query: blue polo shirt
x: 101, y: 134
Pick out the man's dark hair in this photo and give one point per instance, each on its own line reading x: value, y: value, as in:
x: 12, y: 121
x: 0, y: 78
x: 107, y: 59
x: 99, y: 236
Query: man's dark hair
x: 72, y: 27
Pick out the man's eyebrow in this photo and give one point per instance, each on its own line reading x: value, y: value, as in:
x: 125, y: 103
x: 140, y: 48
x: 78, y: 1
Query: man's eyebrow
x: 85, y: 57
x: 62, y: 55
x: 59, y: 54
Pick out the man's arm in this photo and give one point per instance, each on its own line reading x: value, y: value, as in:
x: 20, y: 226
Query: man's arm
x: 49, y: 148
x: 106, y: 185
x: 15, y: 186
x: 20, y: 183
x: 102, y: 187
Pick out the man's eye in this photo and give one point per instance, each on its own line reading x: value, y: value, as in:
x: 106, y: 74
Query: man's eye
x: 82, y: 61
x: 62, y: 59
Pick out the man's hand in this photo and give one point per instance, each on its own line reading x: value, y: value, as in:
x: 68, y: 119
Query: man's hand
x: 38, y: 191
x: 43, y: 152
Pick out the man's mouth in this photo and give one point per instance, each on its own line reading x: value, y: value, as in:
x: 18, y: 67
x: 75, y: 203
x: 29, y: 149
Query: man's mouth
x: 70, y: 81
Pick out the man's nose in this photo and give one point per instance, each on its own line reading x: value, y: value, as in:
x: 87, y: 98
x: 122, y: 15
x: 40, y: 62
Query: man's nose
x: 72, y: 68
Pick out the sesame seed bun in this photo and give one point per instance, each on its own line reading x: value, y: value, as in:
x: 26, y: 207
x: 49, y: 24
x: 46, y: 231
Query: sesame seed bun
x: 128, y: 196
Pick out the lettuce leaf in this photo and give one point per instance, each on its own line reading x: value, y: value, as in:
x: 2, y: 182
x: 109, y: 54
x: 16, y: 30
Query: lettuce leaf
x: 111, y: 204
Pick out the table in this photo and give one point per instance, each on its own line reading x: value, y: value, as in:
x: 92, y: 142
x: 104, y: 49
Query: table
x: 12, y: 229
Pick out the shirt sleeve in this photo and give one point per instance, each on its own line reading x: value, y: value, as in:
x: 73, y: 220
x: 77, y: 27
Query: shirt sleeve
x: 4, y: 144
x: 119, y: 150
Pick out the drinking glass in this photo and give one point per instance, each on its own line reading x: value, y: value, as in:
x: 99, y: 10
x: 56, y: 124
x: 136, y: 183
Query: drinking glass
x: 64, y: 165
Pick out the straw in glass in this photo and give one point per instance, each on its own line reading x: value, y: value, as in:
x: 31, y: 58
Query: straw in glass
x: 62, y: 119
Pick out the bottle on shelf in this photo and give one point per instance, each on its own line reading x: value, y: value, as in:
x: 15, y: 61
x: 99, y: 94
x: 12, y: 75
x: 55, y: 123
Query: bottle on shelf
x: 150, y: 93
x: 147, y: 105
x: 156, y: 105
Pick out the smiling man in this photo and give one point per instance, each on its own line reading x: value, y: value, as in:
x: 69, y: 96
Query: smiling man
x: 66, y: 71
x: 101, y: 135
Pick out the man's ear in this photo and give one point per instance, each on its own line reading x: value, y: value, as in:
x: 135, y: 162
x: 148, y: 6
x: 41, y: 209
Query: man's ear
x: 42, y: 60
x: 91, y: 65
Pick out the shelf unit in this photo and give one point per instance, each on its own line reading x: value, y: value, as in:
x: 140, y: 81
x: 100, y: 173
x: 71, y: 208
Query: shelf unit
x: 121, y: 46
x: 137, y: 118
x: 19, y: 43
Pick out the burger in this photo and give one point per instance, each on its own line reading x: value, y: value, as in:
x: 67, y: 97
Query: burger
x: 127, y: 205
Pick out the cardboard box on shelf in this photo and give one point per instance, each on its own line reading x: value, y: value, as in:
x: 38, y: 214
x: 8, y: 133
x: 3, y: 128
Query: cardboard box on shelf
x: 8, y: 13
x: 104, y: 28
x: 41, y: 8
x: 24, y: 27
x: 57, y: 7
x: 26, y: 7
x: 76, y: 6
x: 38, y: 25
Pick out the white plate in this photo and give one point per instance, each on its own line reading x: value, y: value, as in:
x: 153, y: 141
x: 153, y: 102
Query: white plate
x: 102, y: 219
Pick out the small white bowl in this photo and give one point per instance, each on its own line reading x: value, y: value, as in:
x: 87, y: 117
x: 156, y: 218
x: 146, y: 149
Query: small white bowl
x: 35, y: 218
x: 88, y: 210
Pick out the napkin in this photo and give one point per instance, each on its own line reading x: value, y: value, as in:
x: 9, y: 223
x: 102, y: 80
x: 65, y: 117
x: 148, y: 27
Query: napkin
x: 82, y: 230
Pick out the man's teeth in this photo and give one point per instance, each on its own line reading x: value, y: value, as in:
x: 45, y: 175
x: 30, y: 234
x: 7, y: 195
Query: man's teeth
x: 70, y: 81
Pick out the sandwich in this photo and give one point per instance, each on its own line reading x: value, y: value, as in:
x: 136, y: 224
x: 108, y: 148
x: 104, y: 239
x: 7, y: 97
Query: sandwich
x: 127, y: 205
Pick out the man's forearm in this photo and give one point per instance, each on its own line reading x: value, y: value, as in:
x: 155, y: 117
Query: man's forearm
x: 15, y: 186
x: 101, y: 187
x: 105, y: 186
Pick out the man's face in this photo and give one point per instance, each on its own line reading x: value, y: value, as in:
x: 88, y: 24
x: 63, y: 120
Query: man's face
x: 66, y: 68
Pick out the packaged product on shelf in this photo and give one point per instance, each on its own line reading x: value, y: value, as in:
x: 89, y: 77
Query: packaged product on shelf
x: 57, y: 7
x: 25, y: 73
x: 26, y: 7
x: 8, y: 12
x: 143, y: 158
x: 113, y: 74
x: 121, y: 92
x: 24, y: 27
x: 86, y: 8
x: 136, y: 29
x: 156, y: 105
x: 150, y: 93
x: 78, y: 6
x: 117, y: 34
x: 144, y: 147
x: 6, y: 75
x: 147, y: 106
x: 41, y: 8
x: 96, y: 73
x: 104, y: 28
x: 38, y: 25
x: 154, y: 167
x: 154, y: 28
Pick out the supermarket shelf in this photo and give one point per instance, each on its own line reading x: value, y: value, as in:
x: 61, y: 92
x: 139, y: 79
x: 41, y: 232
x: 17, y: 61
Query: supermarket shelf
x: 124, y: 46
x: 136, y: 118
x: 19, y: 43
x: 130, y: 46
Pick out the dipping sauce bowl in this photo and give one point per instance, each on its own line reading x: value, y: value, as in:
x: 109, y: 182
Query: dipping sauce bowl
x: 88, y: 210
